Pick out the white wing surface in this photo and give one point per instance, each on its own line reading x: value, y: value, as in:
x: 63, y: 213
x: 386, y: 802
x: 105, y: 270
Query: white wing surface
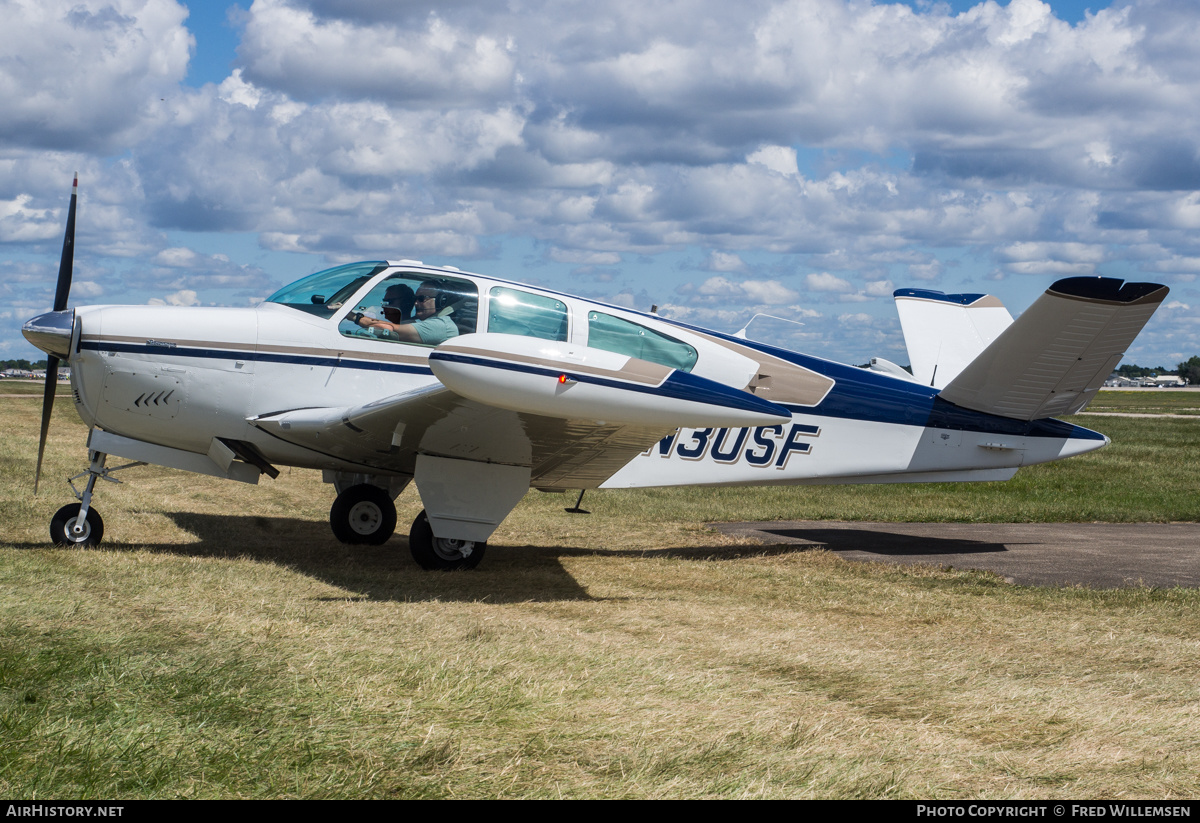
x: 572, y: 415
x: 1054, y: 358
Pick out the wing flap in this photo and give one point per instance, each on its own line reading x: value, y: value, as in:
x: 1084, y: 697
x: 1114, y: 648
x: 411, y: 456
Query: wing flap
x: 1054, y: 357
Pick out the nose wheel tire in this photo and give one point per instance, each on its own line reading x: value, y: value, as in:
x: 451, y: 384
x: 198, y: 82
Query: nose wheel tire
x: 363, y: 514
x: 63, y: 530
x: 440, y: 553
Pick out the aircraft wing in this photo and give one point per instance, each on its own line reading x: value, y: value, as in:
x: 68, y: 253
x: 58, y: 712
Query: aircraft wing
x: 386, y: 435
x: 1054, y: 358
x: 573, y: 415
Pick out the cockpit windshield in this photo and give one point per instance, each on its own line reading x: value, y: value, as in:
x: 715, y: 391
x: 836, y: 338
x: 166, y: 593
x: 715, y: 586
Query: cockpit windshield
x: 327, y: 291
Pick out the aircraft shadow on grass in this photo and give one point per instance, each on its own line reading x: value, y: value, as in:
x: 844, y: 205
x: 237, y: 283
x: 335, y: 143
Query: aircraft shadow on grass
x: 872, y: 541
x: 387, y: 573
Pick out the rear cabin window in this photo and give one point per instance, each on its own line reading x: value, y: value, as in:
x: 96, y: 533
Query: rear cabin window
x: 392, y: 303
x: 625, y: 337
x: 511, y: 311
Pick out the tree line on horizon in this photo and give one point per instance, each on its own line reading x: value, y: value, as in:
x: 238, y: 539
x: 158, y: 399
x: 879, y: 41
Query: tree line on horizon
x: 1189, y: 370
x: 22, y: 364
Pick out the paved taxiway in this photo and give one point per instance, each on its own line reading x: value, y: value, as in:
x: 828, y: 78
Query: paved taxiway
x: 1099, y: 555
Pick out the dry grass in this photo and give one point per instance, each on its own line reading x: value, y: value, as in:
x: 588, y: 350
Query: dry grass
x: 224, y: 645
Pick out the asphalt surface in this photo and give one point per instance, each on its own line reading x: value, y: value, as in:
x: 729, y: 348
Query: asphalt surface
x: 1097, y: 555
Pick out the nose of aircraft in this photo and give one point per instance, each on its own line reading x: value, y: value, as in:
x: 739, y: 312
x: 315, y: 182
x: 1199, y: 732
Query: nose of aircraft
x: 51, y: 332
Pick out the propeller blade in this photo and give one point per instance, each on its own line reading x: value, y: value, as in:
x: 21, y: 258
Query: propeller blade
x: 67, y: 262
x: 47, y: 408
x: 61, y: 292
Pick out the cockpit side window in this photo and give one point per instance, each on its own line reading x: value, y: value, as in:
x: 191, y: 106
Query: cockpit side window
x: 326, y: 291
x: 511, y: 311
x: 622, y: 336
x: 414, y: 308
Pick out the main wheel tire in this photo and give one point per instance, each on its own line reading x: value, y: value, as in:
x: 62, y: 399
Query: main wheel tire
x: 62, y: 527
x: 440, y: 553
x: 363, y: 514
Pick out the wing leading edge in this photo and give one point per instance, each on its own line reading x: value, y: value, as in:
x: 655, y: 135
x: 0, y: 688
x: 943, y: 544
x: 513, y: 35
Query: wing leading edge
x: 574, y: 417
x: 387, y: 435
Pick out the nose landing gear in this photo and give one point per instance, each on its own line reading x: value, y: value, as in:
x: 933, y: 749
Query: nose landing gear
x: 71, y: 526
x: 78, y: 524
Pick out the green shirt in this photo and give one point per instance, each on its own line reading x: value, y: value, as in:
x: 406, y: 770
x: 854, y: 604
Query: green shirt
x: 436, y: 330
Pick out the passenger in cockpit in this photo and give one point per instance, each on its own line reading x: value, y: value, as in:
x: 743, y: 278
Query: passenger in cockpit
x: 398, y: 303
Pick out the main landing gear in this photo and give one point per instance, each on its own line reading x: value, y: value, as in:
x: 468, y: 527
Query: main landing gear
x: 440, y: 553
x: 364, y: 514
x: 78, y: 524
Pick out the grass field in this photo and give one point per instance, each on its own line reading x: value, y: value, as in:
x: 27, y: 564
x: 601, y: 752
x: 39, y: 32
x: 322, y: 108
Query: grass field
x: 1147, y: 401
x: 223, y: 644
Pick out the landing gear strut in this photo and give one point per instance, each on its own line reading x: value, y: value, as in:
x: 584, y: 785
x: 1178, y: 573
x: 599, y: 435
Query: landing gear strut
x: 440, y: 553
x: 78, y: 524
x: 363, y: 514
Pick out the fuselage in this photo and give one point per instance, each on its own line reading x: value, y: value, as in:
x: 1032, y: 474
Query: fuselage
x: 180, y: 377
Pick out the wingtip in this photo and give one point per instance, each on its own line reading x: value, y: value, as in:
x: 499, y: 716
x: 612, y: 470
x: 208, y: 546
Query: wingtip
x: 1111, y: 290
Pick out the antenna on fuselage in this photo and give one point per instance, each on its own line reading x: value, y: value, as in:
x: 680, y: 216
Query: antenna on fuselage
x: 741, y: 333
x: 575, y: 509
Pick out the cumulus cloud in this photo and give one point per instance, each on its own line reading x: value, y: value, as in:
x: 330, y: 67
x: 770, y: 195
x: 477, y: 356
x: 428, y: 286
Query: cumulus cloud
x: 752, y: 292
x: 184, y: 297
x: 88, y: 74
x: 723, y: 261
x: 827, y: 282
x: 310, y: 56
x: 769, y: 292
x: 588, y: 258
x: 779, y: 159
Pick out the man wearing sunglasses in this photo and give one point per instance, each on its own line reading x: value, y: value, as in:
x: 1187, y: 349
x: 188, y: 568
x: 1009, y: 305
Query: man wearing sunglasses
x: 432, y: 325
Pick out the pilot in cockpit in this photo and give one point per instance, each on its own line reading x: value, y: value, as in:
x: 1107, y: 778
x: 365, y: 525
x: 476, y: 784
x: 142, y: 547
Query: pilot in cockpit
x: 433, y: 324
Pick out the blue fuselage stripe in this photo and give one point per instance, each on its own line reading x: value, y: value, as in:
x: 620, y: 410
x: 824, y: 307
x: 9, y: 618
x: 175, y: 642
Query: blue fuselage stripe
x: 857, y: 394
x: 257, y: 357
x: 861, y: 394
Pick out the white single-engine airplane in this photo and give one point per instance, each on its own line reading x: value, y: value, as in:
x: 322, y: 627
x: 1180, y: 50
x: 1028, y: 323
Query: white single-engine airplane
x: 382, y: 373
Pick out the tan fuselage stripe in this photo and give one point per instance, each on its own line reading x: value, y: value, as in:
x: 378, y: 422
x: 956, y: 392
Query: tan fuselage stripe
x: 634, y: 370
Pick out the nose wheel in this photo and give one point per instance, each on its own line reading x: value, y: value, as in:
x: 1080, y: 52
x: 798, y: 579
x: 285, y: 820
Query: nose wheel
x: 441, y: 553
x: 67, y: 528
x: 363, y: 514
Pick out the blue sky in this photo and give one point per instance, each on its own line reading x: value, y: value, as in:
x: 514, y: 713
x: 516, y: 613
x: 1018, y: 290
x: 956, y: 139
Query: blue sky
x: 798, y: 157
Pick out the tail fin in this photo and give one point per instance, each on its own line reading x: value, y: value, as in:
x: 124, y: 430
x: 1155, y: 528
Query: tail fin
x: 1054, y: 357
x: 945, y: 332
